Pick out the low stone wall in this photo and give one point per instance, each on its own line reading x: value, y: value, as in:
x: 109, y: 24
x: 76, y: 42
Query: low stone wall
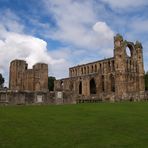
x: 26, y: 97
x: 9, y: 97
x: 72, y: 98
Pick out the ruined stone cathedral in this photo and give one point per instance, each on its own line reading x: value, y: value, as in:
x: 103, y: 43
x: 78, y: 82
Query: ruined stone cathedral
x: 117, y: 78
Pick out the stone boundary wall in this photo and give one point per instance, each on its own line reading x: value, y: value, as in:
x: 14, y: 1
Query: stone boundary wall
x: 73, y: 98
x: 9, y: 97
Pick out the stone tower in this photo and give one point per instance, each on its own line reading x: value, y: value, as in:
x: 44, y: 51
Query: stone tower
x: 129, y: 69
x: 29, y: 80
x: 16, y: 76
x: 24, y: 79
x: 40, y: 77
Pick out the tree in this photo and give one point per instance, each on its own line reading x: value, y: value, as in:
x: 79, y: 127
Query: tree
x: 146, y: 80
x: 51, y: 83
x: 2, y: 80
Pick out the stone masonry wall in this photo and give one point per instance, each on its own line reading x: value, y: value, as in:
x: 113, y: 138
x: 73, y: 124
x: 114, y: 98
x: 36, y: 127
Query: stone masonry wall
x: 21, y: 78
x: 116, y: 78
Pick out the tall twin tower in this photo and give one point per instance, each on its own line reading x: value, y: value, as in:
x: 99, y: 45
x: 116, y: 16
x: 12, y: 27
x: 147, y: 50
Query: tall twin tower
x: 24, y: 79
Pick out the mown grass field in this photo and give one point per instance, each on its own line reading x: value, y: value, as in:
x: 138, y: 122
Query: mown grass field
x: 102, y: 125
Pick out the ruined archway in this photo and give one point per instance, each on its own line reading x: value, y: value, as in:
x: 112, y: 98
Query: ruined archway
x: 92, y: 85
x: 128, y: 52
x: 131, y: 56
x: 130, y: 49
x: 80, y: 87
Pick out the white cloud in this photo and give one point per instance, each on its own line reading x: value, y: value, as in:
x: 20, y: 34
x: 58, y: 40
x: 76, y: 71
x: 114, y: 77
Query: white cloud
x: 75, y: 22
x: 77, y: 26
x: 17, y: 45
x: 29, y: 48
x: 11, y: 21
x: 104, y: 31
x: 126, y: 3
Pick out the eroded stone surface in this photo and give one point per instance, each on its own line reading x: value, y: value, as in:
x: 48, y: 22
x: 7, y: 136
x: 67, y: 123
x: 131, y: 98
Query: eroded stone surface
x: 120, y: 77
x: 22, y: 78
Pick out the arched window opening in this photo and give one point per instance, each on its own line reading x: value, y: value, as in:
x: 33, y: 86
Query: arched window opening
x: 103, y: 84
x: 113, y: 65
x: 92, y: 69
x: 80, y: 88
x: 92, y: 85
x: 73, y: 72
x: 95, y: 68
x: 76, y: 72
x: 109, y: 65
x: 100, y: 67
x: 112, y: 80
x: 84, y: 70
x: 81, y: 70
x: 128, y: 52
x: 62, y: 84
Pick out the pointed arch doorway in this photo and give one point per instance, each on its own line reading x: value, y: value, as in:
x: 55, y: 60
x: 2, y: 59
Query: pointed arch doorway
x: 92, y: 86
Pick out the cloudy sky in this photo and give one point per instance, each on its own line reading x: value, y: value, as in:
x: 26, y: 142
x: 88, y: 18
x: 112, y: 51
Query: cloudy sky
x: 64, y: 33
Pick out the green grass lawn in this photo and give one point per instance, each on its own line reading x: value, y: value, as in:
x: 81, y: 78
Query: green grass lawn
x: 101, y: 125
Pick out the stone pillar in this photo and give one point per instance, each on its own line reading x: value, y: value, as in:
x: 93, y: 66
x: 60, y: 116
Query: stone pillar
x: 140, y: 64
x: 120, y: 65
x: 85, y: 87
x: 105, y: 77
